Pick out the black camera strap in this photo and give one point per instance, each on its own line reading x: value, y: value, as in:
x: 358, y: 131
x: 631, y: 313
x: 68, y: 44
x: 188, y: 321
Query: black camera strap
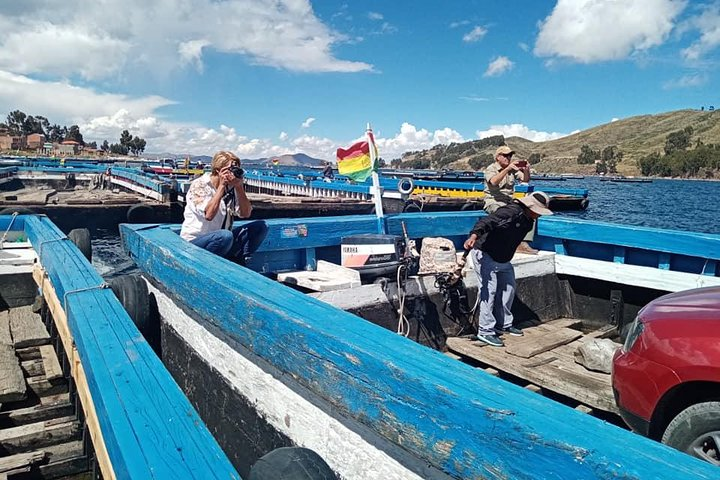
x: 229, y: 200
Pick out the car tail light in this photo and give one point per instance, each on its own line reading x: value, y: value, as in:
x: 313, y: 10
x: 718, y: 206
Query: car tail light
x: 634, y: 331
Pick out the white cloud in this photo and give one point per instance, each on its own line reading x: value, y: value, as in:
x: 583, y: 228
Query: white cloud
x: 475, y: 98
x: 387, y: 28
x: 498, y: 66
x: 524, y: 46
x: 687, y: 81
x: 447, y: 136
x: 191, y: 52
x: 309, y: 121
x: 461, y: 23
x: 519, y: 130
x: 41, y: 46
x: 475, y: 34
x: 708, y: 24
x: 410, y: 138
x: 64, y: 103
x: 107, y: 127
x: 324, y: 148
x: 103, y: 116
x: 104, y: 39
x: 614, y: 119
x: 375, y: 16
x: 587, y: 31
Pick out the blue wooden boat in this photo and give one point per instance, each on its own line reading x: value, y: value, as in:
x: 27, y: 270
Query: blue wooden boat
x: 445, y: 195
x: 623, y: 179
x: 276, y: 366
x: 124, y: 416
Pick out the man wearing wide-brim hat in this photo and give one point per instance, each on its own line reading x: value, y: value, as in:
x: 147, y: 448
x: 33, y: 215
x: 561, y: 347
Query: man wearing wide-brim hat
x: 501, y: 177
x: 493, y: 241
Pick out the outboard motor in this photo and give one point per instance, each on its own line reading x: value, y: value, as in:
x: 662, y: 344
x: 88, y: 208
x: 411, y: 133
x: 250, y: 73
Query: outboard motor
x: 373, y: 255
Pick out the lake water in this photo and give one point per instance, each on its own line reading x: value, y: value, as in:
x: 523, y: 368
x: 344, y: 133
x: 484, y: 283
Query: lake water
x: 686, y: 205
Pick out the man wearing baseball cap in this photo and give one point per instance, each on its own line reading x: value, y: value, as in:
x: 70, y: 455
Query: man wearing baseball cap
x: 501, y: 177
x: 493, y: 241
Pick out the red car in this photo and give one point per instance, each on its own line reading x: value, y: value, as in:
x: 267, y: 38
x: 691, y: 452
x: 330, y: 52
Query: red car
x: 666, y: 377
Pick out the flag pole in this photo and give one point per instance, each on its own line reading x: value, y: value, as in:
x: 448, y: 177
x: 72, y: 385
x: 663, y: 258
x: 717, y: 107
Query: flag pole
x: 376, y: 190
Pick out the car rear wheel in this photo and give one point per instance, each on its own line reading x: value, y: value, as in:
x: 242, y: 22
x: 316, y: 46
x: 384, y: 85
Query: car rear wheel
x: 696, y: 430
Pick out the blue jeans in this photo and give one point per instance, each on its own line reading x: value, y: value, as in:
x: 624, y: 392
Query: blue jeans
x: 497, y: 292
x: 236, y: 244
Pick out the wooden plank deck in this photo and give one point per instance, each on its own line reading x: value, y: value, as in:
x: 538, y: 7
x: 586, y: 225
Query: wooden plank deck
x: 27, y: 329
x: 12, y: 382
x: 40, y: 436
x: 554, y: 369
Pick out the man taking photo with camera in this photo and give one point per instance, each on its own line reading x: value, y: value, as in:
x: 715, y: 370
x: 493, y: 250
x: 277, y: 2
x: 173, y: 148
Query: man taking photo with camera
x: 211, y: 204
x: 500, y: 179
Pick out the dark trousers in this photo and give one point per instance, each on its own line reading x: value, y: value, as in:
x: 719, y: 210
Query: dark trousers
x: 247, y: 239
x: 236, y: 244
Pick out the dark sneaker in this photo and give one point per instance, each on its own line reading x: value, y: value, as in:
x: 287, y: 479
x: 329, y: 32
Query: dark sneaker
x: 515, y: 332
x: 492, y: 340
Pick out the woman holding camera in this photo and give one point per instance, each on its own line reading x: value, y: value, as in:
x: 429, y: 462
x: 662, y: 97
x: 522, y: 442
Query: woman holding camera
x: 212, y: 202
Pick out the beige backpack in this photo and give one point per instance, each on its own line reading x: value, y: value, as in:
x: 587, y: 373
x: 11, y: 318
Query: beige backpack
x: 437, y: 256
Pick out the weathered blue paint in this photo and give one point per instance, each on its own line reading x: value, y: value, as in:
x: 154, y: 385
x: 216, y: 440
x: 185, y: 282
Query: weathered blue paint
x: 664, y: 261
x: 391, y: 184
x: 693, y: 244
x: 457, y: 418
x: 310, y: 260
x: 57, y: 169
x: 559, y: 247
x: 149, y: 427
x: 339, y: 186
x: 619, y: 255
x: 18, y: 224
x: 150, y: 181
x: 283, y: 248
x: 710, y: 268
x: 69, y: 163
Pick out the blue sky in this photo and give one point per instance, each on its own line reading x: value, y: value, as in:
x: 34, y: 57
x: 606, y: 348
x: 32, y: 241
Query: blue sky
x: 263, y: 78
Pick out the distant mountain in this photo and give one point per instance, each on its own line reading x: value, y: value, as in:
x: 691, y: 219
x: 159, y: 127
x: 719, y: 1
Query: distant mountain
x: 294, y: 160
x: 635, y: 137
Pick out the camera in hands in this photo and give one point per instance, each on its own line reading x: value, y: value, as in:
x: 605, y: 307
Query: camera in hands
x: 237, y: 171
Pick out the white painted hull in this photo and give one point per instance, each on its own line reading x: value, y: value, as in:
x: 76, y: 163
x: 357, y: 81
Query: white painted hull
x: 349, y: 448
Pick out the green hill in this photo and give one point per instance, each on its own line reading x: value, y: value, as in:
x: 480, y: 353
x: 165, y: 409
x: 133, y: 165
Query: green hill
x: 634, y: 137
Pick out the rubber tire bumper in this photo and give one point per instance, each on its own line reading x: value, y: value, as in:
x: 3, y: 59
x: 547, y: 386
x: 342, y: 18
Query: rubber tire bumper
x: 18, y: 210
x: 81, y: 238
x: 132, y: 291
x: 291, y: 463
